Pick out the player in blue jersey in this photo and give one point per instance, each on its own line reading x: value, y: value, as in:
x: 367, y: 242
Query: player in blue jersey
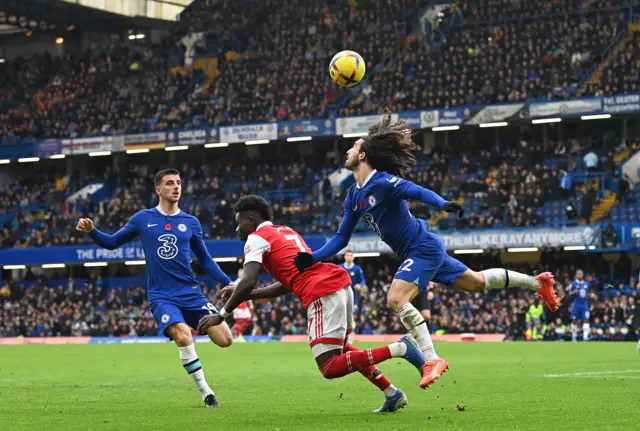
x: 579, y: 290
x: 168, y: 235
x: 379, y: 162
x: 357, y: 278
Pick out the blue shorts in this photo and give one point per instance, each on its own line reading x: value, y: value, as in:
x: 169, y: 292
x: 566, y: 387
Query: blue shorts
x: 430, y: 262
x: 579, y: 312
x: 166, y: 313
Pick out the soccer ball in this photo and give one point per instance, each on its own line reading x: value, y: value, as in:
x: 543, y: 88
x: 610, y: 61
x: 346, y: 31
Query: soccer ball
x: 347, y: 68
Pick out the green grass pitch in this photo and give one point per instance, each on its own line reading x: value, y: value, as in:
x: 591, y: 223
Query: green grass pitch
x: 275, y: 386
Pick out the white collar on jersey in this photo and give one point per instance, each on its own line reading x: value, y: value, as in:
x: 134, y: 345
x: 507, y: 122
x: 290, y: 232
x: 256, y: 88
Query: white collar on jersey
x: 263, y: 224
x: 349, y: 267
x: 165, y: 214
x: 366, y: 180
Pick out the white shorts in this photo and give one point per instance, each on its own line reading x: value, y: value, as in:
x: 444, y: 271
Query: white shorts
x: 330, y: 321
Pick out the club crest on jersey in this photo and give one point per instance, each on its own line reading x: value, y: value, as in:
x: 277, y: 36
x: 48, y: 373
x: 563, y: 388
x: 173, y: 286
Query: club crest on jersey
x: 165, y: 318
x: 167, y: 226
x: 372, y: 200
x: 182, y: 227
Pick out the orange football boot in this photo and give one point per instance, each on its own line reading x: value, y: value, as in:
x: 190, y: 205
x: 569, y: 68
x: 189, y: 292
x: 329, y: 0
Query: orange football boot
x: 546, y: 291
x: 432, y: 370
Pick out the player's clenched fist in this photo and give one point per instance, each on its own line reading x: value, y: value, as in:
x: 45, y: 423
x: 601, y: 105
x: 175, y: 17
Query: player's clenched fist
x: 208, y: 321
x: 85, y: 225
x: 303, y: 260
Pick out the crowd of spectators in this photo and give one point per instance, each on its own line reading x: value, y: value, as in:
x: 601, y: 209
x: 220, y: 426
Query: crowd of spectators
x: 621, y: 71
x: 497, y: 63
x: 278, y: 66
x: 46, y: 309
x: 489, y: 10
x: 120, y: 88
x: 529, y: 184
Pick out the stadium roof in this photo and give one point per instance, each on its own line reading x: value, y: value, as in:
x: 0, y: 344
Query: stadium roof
x: 47, y: 14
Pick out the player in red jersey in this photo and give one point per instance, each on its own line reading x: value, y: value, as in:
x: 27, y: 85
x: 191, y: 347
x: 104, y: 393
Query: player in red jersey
x: 324, y: 289
x: 242, y: 315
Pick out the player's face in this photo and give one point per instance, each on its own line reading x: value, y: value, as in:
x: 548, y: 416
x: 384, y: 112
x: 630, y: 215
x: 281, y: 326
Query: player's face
x: 579, y: 275
x: 246, y: 225
x: 170, y: 189
x: 354, y: 156
x: 348, y: 258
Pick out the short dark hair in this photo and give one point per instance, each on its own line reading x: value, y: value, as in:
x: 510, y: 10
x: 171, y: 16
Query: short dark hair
x: 157, y: 179
x: 254, y: 203
x: 389, y: 146
x: 348, y: 251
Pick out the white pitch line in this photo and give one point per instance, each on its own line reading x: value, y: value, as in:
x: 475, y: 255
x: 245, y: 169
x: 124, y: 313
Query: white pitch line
x: 593, y: 373
x: 611, y: 376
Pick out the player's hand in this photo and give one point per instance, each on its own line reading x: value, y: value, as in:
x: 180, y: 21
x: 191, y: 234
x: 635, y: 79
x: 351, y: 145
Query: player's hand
x: 227, y: 291
x: 85, y: 225
x: 454, y: 207
x: 208, y: 321
x: 303, y: 260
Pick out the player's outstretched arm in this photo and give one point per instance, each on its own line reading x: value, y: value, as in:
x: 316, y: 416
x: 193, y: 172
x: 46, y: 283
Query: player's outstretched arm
x: 110, y: 242
x: 406, y: 189
x: 339, y: 241
x: 205, y: 259
x: 243, y: 289
x: 271, y: 291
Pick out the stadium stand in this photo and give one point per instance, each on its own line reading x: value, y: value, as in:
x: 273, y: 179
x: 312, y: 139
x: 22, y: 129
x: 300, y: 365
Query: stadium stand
x: 90, y: 307
x: 265, y: 67
x: 493, y: 57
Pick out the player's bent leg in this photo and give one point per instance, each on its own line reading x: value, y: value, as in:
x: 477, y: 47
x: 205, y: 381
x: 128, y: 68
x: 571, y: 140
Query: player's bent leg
x: 398, y: 299
x: 181, y: 334
x: 221, y: 335
x: 470, y: 281
x: 500, y: 278
x: 334, y: 363
x: 394, y: 398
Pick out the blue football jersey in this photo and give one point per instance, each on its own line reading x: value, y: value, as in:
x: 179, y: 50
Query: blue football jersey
x: 582, y: 287
x: 381, y: 202
x: 167, y: 241
x: 355, y: 274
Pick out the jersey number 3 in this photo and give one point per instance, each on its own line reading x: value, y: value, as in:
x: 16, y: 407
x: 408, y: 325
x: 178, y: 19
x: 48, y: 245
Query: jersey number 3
x: 168, y: 249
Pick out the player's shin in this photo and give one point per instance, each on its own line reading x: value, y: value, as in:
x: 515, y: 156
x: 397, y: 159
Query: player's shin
x: 500, y: 278
x: 191, y: 363
x: 360, y: 360
x: 416, y: 325
x: 374, y: 375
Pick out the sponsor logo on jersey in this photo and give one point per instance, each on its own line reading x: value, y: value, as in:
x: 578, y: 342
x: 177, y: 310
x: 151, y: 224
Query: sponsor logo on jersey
x: 182, y: 227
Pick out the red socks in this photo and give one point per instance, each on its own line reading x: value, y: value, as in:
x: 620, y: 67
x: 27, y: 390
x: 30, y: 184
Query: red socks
x: 354, y: 360
x: 372, y: 373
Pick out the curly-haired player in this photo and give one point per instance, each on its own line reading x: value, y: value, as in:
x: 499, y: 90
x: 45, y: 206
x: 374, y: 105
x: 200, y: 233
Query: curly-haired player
x: 379, y: 162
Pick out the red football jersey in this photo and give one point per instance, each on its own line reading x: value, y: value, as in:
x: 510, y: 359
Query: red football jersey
x: 275, y: 247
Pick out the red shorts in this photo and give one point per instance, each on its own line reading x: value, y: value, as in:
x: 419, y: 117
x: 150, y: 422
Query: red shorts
x: 241, y: 325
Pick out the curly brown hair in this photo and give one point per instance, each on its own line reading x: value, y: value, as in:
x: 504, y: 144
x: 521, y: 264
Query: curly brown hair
x: 389, y: 146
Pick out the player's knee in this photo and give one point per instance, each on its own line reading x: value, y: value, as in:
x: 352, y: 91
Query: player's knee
x: 327, y: 370
x: 474, y: 281
x: 182, y: 337
x: 395, y: 301
x: 225, y: 340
